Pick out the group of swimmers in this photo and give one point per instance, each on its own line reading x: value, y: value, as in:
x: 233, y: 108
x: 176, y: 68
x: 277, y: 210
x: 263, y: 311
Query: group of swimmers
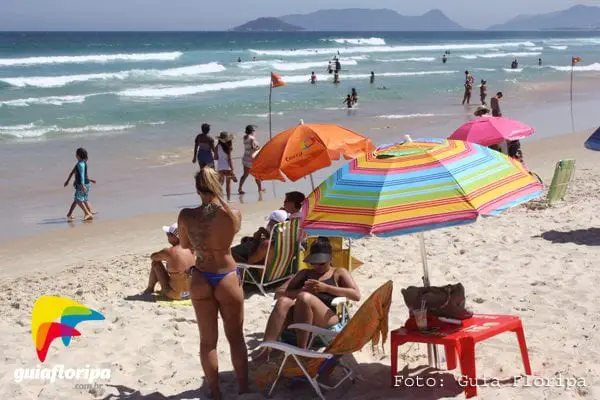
x: 202, y: 264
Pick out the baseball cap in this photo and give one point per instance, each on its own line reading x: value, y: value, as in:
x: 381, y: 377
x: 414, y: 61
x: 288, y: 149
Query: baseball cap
x: 171, y: 229
x: 320, y: 252
x: 278, y: 216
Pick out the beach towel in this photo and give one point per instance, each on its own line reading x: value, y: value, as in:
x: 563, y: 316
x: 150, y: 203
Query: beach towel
x: 163, y: 300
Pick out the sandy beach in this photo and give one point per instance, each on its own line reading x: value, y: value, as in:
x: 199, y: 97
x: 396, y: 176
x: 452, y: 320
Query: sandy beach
x: 537, y: 264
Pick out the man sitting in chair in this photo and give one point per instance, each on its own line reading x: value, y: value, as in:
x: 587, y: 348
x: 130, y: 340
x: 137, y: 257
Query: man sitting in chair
x: 307, y: 297
x: 293, y: 204
x: 253, y: 249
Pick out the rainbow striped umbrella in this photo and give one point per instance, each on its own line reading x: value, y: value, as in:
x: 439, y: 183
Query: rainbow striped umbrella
x: 417, y: 186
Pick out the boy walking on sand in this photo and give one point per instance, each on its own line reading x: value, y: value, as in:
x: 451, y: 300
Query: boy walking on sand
x: 82, y: 186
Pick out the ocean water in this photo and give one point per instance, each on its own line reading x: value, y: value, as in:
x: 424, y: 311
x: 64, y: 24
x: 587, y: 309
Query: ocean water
x: 61, y: 85
x: 135, y: 101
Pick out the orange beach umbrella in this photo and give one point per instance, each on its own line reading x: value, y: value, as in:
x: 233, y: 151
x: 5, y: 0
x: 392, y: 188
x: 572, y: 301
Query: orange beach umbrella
x: 306, y: 148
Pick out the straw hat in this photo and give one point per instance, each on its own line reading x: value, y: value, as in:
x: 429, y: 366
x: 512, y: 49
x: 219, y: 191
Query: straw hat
x: 225, y: 137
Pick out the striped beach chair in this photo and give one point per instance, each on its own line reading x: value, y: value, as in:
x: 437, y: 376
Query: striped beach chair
x: 369, y: 324
x: 283, y: 244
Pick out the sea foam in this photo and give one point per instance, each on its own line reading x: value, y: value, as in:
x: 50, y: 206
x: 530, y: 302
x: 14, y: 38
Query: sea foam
x: 95, y: 58
x: 149, y: 74
x: 178, y: 91
x: 392, y: 49
x: 373, y: 41
x: 501, y: 55
x: 582, y: 68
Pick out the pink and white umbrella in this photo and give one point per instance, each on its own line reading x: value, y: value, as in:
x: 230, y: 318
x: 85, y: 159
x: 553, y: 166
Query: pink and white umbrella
x: 487, y: 131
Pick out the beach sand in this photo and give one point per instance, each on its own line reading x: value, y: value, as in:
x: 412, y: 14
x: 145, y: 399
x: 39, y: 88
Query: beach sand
x: 538, y: 264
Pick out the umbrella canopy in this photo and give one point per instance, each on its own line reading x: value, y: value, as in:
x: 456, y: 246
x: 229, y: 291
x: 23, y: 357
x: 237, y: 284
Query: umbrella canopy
x: 416, y: 186
x: 487, y: 131
x: 593, y: 142
x: 306, y: 148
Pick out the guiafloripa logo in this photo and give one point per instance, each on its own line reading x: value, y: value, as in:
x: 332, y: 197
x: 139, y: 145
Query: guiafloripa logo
x: 45, y: 328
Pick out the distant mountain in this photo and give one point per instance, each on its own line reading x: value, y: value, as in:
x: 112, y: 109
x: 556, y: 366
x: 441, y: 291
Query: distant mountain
x: 364, y: 19
x: 269, y: 24
x: 576, y: 17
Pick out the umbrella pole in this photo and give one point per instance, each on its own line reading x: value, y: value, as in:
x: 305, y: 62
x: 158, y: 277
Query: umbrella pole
x: 432, y: 353
x: 312, y: 182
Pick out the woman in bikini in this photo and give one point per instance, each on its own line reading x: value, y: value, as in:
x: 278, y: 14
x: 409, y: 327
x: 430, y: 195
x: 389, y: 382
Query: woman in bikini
x: 307, y: 297
x: 250, y: 147
x: 215, y: 281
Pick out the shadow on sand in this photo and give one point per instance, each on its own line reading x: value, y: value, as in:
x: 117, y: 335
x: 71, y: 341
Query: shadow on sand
x: 586, y: 237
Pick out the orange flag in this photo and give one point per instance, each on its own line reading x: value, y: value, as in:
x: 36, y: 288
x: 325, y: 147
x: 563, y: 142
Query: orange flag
x: 575, y: 60
x: 276, y: 80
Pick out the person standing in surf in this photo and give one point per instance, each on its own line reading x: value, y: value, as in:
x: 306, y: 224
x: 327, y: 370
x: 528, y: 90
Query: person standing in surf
x: 204, y: 148
x: 313, y: 78
x: 483, y: 92
x: 224, y: 162
x: 348, y: 101
x: 250, y: 147
x: 372, y: 79
x: 468, y: 87
x: 354, y: 96
x: 82, y: 186
x: 444, y: 59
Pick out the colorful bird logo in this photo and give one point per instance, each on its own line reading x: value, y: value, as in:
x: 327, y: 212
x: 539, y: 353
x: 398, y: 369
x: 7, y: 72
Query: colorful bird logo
x: 44, y: 328
x: 307, y: 142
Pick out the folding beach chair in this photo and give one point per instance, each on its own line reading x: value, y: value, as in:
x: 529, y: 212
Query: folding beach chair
x: 320, y: 337
x: 370, y: 323
x: 283, y: 244
x: 563, y: 174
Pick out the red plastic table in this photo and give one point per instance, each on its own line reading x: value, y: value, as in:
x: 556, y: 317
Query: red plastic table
x: 460, y: 339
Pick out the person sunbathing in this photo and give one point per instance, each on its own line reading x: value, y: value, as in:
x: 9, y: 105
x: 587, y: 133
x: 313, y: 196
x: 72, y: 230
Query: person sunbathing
x: 253, y: 249
x: 174, y: 282
x: 307, y: 296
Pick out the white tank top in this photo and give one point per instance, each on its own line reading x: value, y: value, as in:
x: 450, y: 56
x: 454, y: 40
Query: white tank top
x: 222, y: 162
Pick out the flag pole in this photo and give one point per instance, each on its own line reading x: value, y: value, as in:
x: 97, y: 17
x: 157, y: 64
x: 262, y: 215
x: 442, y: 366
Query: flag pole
x: 572, y: 116
x: 270, y: 128
x: 270, y: 93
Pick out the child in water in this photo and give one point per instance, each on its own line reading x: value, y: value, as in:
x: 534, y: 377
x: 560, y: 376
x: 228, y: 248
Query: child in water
x: 82, y: 186
x: 354, y: 96
x: 348, y: 101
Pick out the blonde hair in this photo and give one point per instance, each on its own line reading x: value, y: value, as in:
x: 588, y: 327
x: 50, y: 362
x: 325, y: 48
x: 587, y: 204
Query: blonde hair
x: 207, y: 181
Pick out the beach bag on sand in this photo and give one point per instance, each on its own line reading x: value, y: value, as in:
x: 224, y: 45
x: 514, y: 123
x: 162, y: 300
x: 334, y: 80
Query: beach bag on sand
x: 442, y: 301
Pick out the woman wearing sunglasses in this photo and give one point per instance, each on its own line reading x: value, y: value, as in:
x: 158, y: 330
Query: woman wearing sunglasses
x: 307, y: 297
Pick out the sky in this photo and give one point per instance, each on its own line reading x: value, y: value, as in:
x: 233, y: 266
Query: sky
x: 225, y: 14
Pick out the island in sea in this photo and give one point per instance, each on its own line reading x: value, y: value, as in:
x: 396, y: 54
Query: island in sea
x: 267, y: 24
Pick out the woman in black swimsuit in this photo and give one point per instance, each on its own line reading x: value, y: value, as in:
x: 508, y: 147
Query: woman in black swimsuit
x: 307, y: 297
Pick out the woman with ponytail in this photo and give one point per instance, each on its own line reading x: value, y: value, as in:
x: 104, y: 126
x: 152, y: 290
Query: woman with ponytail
x: 215, y: 279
